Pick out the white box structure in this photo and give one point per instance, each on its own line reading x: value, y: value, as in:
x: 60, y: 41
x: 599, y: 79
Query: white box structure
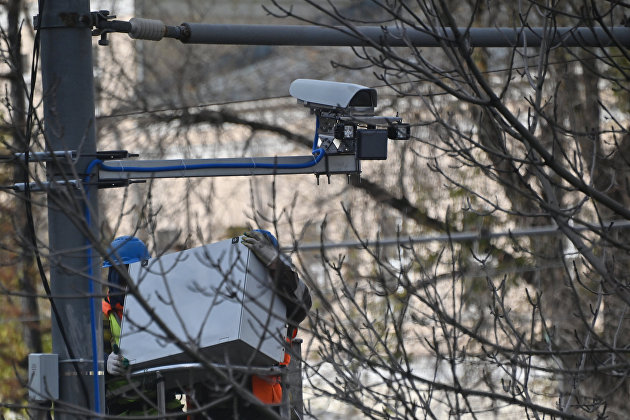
x: 43, y: 376
x: 217, y: 298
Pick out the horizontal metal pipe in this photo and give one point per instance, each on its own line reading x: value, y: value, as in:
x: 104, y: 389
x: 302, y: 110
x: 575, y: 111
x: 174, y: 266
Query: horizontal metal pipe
x: 330, y: 164
x: 201, y: 33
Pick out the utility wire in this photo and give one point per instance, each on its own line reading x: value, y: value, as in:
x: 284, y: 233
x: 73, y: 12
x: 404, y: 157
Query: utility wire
x: 269, y: 98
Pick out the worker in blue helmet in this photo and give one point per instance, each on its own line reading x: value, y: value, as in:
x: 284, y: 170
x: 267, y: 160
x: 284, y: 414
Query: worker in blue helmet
x: 121, y: 398
x: 126, y: 250
x: 123, y: 251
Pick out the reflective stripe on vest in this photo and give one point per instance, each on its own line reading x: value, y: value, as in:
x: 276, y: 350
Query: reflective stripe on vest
x: 114, y: 321
x: 114, y: 327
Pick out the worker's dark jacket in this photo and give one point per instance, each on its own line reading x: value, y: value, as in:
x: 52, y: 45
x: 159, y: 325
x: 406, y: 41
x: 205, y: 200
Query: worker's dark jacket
x: 292, y: 291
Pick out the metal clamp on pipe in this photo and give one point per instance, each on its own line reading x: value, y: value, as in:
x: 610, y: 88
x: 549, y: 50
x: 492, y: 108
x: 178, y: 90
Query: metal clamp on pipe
x: 137, y: 28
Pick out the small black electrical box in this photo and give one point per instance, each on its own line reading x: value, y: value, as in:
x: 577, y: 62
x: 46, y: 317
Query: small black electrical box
x: 372, y: 144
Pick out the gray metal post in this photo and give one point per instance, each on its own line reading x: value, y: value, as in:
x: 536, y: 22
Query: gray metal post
x: 294, y: 381
x: 67, y: 79
x: 161, y: 394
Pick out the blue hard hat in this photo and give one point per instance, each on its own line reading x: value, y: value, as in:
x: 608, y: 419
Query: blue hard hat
x: 269, y: 236
x: 126, y: 250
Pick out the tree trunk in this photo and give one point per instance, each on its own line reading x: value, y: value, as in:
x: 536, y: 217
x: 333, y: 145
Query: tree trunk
x: 26, y: 261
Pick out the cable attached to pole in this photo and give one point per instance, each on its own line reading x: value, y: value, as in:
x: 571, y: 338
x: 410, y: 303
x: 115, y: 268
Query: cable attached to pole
x: 93, y: 328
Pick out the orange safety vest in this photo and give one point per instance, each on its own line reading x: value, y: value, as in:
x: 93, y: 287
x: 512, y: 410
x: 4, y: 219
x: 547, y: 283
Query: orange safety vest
x: 107, y: 308
x: 268, y: 389
x: 111, y: 331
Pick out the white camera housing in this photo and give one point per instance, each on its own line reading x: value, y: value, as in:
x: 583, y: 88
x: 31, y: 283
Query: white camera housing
x: 327, y: 95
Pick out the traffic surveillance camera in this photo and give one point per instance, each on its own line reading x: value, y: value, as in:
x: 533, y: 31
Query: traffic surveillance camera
x: 322, y: 95
x: 346, y: 123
